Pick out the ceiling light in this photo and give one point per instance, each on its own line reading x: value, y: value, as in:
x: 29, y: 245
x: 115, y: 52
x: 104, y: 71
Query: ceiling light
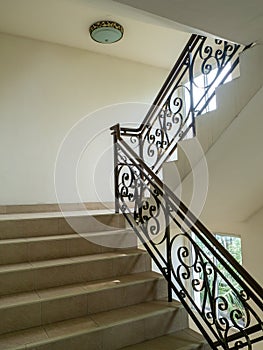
x: 106, y: 32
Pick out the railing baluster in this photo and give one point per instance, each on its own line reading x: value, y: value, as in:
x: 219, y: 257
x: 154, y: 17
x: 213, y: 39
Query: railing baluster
x: 168, y: 253
x: 150, y: 223
x: 115, y: 134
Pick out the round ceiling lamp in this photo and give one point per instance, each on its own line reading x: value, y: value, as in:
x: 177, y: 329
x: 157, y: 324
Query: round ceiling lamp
x: 106, y: 32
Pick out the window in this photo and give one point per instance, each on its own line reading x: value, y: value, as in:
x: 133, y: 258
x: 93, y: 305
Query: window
x: 201, y: 82
x: 219, y: 287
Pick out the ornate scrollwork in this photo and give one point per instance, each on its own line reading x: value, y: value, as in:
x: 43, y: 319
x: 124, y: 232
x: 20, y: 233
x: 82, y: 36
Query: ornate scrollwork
x: 169, y: 126
x: 173, y: 118
x: 212, y: 62
x: 146, y: 202
x: 224, y: 305
x: 224, y: 312
x: 197, y: 268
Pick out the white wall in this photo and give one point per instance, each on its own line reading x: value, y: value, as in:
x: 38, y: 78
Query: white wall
x: 44, y: 90
x: 252, y: 243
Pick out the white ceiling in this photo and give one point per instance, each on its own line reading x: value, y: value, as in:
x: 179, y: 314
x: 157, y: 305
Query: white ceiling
x: 147, y: 38
x: 240, y: 21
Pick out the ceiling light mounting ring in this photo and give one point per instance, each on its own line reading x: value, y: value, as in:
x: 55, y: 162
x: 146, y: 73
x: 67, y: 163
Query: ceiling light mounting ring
x: 106, y: 32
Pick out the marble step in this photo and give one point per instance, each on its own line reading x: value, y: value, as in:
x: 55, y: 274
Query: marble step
x: 186, y: 339
x: 55, y: 207
x: 24, y: 310
x: 107, y: 330
x: 17, y: 250
x: 47, y: 224
x: 23, y: 277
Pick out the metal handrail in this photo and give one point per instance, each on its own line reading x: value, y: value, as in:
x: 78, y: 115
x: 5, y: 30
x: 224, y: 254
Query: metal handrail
x: 174, y: 208
x: 143, y: 198
x: 192, y: 42
x: 183, y: 210
x: 170, y: 118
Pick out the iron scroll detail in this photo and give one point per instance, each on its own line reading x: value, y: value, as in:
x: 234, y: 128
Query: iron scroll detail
x: 190, y: 258
x: 188, y: 255
x: 171, y: 118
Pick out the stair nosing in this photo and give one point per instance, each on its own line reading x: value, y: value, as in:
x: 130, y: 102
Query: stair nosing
x: 6, y: 268
x: 133, y: 316
x: 55, y: 215
x: 63, y: 236
x: 83, y: 286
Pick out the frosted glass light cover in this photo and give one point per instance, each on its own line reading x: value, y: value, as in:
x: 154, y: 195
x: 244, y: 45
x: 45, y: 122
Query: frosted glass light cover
x: 106, y: 32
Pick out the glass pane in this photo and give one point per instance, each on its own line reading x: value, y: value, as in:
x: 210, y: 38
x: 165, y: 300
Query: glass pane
x: 221, y: 286
x: 200, y: 84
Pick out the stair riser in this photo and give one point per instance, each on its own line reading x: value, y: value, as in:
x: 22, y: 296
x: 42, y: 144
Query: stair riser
x: 28, y: 250
x: 34, y: 278
x: 119, y: 335
x: 47, y: 311
x: 26, y: 228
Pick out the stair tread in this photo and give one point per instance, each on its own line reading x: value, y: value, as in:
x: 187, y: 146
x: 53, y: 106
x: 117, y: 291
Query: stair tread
x: 137, y: 311
x: 58, y: 214
x: 22, y: 298
x: 68, y: 261
x: 62, y: 236
x: 181, y: 340
x: 82, y: 325
x: 47, y: 224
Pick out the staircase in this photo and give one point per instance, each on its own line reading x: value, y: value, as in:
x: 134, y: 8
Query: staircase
x: 63, y: 290
x: 60, y: 290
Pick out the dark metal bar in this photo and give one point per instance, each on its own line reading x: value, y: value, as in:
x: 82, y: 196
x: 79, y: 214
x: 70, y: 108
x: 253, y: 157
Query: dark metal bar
x: 196, y: 223
x: 116, y: 191
x: 191, y: 81
x: 186, y: 62
x: 151, y: 179
x: 140, y: 180
x: 168, y: 254
x: 167, y: 84
x: 250, y: 330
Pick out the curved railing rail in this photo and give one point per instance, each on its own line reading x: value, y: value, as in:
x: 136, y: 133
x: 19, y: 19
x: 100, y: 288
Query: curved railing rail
x: 193, y: 262
x: 171, y: 117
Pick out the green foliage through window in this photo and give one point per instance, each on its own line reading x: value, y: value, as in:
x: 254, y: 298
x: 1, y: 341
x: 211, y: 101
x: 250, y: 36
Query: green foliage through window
x: 223, y: 282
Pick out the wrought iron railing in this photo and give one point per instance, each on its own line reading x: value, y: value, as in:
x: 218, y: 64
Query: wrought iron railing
x: 222, y: 298
x: 171, y: 117
x: 193, y: 262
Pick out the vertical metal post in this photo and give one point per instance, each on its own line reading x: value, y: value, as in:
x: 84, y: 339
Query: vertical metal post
x: 140, y: 146
x: 116, y: 190
x: 168, y: 253
x: 140, y: 199
x: 191, y: 80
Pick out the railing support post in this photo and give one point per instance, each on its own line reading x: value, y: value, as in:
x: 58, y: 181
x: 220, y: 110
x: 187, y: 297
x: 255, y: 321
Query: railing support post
x: 168, y: 254
x: 141, y: 176
x: 191, y: 81
x: 116, y: 131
